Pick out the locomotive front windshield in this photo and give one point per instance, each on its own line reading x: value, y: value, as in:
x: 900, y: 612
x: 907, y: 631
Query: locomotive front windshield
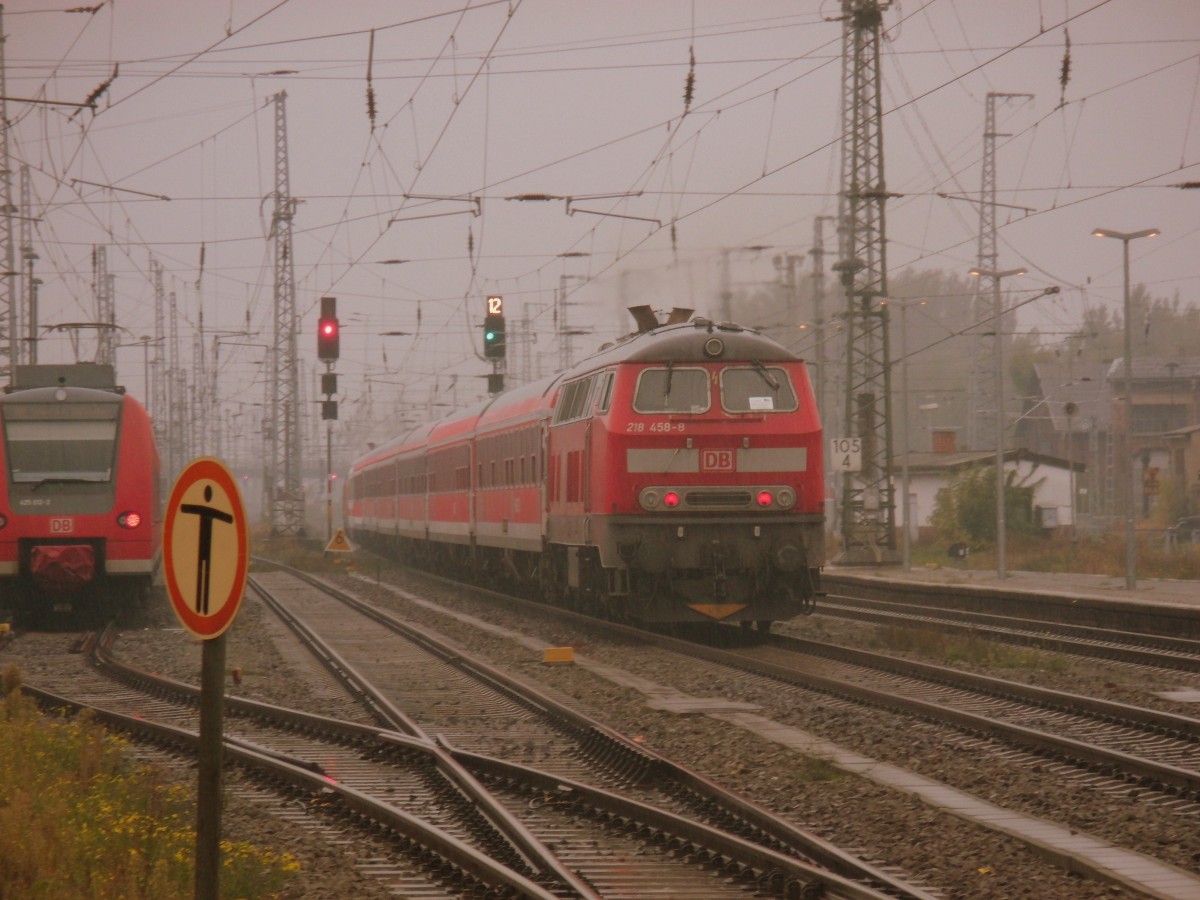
x: 757, y: 388
x: 672, y: 390
x: 61, y: 442
x: 753, y: 388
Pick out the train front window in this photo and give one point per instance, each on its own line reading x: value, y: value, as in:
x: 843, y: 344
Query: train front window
x: 671, y: 389
x: 58, y: 444
x: 757, y: 388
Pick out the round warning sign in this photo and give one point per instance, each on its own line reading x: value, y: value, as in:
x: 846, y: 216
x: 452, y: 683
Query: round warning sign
x: 205, y: 547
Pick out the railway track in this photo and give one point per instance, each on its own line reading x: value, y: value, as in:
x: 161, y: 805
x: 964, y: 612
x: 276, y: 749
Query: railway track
x: 1152, y: 749
x: 1124, y: 646
x: 1135, y: 755
x: 577, y: 760
x: 630, y: 843
x: 1129, y: 744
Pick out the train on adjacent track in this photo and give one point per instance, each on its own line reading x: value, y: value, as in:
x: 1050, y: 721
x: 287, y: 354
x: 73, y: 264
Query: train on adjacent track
x: 80, y: 510
x: 675, y: 476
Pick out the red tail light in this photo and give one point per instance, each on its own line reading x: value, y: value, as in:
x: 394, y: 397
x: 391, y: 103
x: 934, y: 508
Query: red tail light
x: 765, y: 498
x: 129, y: 519
x: 671, y: 499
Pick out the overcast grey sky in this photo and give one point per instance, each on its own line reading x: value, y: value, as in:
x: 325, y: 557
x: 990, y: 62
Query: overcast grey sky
x: 479, y: 102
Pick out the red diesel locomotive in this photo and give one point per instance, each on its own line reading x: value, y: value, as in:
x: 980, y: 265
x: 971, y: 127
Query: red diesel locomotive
x: 79, y: 505
x: 674, y: 476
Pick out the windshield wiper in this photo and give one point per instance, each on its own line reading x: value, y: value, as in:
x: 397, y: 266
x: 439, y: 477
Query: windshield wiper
x: 670, y: 375
x: 770, y: 379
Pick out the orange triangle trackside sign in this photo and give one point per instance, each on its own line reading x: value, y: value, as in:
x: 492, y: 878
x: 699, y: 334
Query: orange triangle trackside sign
x: 338, y: 543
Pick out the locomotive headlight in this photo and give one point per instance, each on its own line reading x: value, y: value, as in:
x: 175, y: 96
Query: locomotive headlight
x: 714, y: 347
x: 650, y: 499
x: 765, y: 499
x: 3, y: 521
x: 670, y: 499
x: 786, y: 498
x: 129, y: 519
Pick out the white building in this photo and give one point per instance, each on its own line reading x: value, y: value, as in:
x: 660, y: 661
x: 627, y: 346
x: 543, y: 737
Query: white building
x: 928, y: 473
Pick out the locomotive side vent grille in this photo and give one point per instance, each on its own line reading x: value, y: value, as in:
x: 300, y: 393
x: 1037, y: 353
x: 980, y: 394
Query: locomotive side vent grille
x: 718, y: 499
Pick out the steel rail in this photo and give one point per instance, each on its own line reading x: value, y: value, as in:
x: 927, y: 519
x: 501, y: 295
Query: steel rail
x: 303, y: 776
x: 606, y: 743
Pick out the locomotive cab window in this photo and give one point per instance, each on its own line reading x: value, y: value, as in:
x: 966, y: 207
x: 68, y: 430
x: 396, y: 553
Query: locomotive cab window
x: 573, y: 400
x: 757, y: 388
x: 61, y: 443
x: 672, y: 390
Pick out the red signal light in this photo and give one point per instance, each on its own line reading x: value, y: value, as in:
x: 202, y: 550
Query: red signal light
x: 328, y: 330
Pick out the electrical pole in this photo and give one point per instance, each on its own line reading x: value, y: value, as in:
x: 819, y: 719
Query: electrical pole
x: 102, y: 288
x: 284, y: 488
x: 825, y: 404
x: 868, y: 510
x: 175, y: 394
x: 28, y: 258
x: 157, y: 394
x: 981, y: 389
x: 9, y: 319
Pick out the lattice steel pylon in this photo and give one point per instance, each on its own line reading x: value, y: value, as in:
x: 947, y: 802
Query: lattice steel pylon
x: 981, y: 388
x: 868, y: 509
x: 29, y: 281
x: 106, y: 316
x: 284, y: 488
x: 156, y: 401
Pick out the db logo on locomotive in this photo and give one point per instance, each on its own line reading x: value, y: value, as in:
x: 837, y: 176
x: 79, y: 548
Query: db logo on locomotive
x: 62, y: 526
x: 716, y: 460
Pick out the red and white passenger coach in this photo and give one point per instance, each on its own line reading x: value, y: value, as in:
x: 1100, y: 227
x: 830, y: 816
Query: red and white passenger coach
x: 674, y: 476
x: 79, y: 500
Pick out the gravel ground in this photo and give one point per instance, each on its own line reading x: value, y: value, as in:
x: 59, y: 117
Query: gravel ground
x: 955, y: 858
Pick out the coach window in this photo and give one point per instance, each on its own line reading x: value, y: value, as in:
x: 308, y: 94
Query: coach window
x: 672, y: 390
x: 757, y: 388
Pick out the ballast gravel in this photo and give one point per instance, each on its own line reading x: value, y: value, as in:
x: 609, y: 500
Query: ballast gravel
x: 946, y: 855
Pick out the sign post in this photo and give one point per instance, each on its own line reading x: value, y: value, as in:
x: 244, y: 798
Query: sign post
x: 205, y: 559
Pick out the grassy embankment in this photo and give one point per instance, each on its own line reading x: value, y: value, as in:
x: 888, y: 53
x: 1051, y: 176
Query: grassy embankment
x: 80, y: 821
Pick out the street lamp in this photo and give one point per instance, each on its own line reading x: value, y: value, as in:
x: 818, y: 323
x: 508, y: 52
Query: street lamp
x: 1130, y: 546
x: 1001, y: 525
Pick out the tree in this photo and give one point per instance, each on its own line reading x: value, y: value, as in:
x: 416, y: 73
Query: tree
x: 965, y: 510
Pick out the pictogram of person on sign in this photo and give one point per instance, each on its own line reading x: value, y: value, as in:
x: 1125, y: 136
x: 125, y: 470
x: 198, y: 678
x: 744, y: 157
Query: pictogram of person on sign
x: 207, y: 515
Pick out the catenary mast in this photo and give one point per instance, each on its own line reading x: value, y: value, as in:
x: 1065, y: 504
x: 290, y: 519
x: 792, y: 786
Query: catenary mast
x: 284, y: 487
x: 9, y: 320
x: 981, y: 418
x: 868, y: 509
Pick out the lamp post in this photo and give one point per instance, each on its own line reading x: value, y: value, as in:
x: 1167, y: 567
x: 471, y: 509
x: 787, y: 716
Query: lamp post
x: 1130, y: 546
x: 1001, y: 526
